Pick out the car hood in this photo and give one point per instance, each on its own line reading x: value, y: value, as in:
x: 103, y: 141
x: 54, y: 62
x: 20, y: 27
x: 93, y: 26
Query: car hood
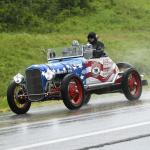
x: 75, y: 65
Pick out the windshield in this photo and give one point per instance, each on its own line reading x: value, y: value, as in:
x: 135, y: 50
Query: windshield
x: 72, y: 51
x: 59, y: 53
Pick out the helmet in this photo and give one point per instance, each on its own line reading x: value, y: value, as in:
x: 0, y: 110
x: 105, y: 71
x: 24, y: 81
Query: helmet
x: 92, y: 37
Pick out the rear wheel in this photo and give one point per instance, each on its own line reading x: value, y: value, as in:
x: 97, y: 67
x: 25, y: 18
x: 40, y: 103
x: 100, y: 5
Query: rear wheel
x: 16, y: 99
x: 132, y: 85
x: 72, y: 92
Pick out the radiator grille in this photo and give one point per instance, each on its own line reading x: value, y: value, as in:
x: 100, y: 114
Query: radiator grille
x: 34, y: 84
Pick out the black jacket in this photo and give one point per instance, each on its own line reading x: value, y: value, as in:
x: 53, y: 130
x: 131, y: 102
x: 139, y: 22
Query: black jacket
x: 99, y: 49
x: 98, y: 45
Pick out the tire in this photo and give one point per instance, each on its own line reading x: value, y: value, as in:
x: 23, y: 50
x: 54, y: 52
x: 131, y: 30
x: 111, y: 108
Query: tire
x: 87, y: 98
x: 132, y: 85
x: 72, y: 92
x: 16, y: 104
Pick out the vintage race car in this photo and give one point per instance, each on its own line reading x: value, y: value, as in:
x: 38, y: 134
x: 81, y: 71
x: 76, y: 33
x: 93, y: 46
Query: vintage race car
x: 73, y: 78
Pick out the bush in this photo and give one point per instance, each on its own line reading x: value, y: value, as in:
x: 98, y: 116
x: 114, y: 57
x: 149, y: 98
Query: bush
x: 27, y: 15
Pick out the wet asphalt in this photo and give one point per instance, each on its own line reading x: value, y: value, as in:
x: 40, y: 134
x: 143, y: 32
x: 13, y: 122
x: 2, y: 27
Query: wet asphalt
x: 108, y: 122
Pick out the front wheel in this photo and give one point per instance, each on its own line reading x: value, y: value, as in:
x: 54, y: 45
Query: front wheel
x: 72, y: 92
x: 16, y: 99
x: 131, y: 84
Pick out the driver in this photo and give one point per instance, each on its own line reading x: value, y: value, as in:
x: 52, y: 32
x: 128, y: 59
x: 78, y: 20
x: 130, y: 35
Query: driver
x: 97, y: 45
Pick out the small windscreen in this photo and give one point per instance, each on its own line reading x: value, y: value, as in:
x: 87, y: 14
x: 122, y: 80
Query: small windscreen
x: 73, y: 51
x: 57, y: 53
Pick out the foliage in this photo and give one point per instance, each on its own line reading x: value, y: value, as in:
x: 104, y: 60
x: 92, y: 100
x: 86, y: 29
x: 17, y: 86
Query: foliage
x: 46, y: 16
x: 35, y: 14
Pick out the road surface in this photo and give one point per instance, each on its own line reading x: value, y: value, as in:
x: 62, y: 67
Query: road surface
x: 108, y: 122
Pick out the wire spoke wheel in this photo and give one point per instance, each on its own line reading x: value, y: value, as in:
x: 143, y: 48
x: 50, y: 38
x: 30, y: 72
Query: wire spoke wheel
x: 17, y: 101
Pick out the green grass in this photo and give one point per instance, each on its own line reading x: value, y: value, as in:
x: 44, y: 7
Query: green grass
x: 3, y: 105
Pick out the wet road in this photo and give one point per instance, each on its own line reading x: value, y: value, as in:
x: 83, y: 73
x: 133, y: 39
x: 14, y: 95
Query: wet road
x: 108, y: 122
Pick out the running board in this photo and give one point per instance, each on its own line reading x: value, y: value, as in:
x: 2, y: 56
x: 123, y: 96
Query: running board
x: 103, y: 88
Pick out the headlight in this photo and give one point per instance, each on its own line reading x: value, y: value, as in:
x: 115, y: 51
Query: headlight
x: 18, y: 78
x: 49, y: 75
